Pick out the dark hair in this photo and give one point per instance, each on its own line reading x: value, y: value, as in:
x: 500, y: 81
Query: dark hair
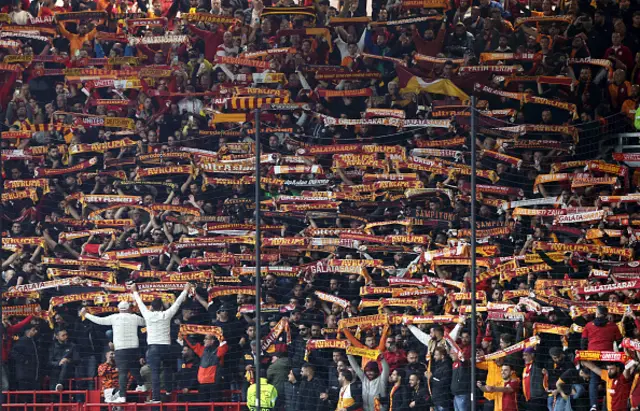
x: 441, y: 350
x: 506, y: 338
x: 348, y: 375
x: 156, y: 304
x: 555, y: 351
x: 401, y: 373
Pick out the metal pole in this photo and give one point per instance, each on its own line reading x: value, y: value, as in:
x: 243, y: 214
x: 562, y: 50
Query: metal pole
x: 258, y: 277
x: 474, y: 323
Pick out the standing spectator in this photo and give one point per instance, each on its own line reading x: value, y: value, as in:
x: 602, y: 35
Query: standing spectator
x: 211, y: 362
x: 460, y: 382
x: 618, y: 379
x: 26, y: 358
x: 292, y: 390
x: 374, y: 384
x: 8, y: 330
x: 599, y: 335
x: 268, y: 394
x: 350, y: 396
x: 533, y: 377
x: 158, y: 335
x: 418, y: 393
x: 126, y: 345
x: 278, y: 372
x: 439, y: 380
x: 310, y: 389
x: 399, y: 394
x: 507, y: 392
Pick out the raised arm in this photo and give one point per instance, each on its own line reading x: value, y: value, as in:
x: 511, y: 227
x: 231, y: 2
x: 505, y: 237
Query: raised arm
x: 176, y: 305
x: 423, y: 337
x: 590, y: 365
x: 143, y: 308
x: 355, y: 367
x: 99, y: 320
x: 385, y: 370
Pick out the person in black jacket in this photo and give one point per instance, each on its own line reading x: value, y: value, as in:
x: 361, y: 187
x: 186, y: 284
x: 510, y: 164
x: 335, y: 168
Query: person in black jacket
x: 25, y: 356
x: 85, y: 334
x: 62, y: 357
x: 460, y: 383
x: 292, y: 390
x: 299, y: 345
x: 439, y: 377
x: 398, y: 397
x: 310, y: 389
x: 186, y: 379
x: 533, y: 390
x: 417, y: 393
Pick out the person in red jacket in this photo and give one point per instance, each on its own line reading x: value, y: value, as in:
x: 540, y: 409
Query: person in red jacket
x: 599, y: 335
x: 211, y: 359
x: 8, y: 331
x: 396, y: 357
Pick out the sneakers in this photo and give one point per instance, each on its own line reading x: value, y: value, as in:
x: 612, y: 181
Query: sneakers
x: 153, y: 402
x: 119, y: 400
x: 142, y: 388
x: 59, y: 387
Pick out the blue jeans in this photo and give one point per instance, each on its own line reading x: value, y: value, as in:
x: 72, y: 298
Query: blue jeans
x: 593, y: 388
x: 87, y: 367
x: 564, y: 405
x: 156, y: 353
x: 461, y: 402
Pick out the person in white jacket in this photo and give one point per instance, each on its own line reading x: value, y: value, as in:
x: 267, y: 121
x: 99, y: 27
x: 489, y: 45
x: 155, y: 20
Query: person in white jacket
x: 374, y: 385
x: 158, y: 334
x: 126, y: 344
x: 437, y: 338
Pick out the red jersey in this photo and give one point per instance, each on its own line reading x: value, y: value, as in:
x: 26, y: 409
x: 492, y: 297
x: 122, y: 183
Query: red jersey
x: 508, y: 401
x: 601, y: 338
x: 618, y: 392
x: 526, y: 382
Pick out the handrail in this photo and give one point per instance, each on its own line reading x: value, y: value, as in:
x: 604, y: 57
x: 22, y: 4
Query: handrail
x: 87, y: 406
x: 33, y: 394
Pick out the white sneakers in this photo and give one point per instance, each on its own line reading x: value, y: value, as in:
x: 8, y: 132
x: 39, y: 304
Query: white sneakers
x: 142, y: 388
x: 59, y: 387
x: 118, y: 400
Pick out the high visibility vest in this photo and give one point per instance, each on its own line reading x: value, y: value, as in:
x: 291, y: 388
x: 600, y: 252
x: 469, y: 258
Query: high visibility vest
x: 268, y: 396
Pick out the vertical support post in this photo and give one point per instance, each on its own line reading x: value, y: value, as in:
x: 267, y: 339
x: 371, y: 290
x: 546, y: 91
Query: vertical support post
x: 258, y: 267
x: 473, y: 254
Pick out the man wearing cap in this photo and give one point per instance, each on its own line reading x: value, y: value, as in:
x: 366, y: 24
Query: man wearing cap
x: 158, y: 334
x: 126, y: 344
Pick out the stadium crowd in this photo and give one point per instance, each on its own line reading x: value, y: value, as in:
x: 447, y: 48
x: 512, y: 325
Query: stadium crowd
x: 128, y: 250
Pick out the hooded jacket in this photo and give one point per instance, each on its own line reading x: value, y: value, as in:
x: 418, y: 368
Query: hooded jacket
x: 371, y: 388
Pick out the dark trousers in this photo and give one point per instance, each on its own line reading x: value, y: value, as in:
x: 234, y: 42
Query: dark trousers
x: 127, y: 361
x: 210, y: 393
x: 60, y: 375
x: 156, y: 358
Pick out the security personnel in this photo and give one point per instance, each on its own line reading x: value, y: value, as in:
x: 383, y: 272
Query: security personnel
x: 268, y: 394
